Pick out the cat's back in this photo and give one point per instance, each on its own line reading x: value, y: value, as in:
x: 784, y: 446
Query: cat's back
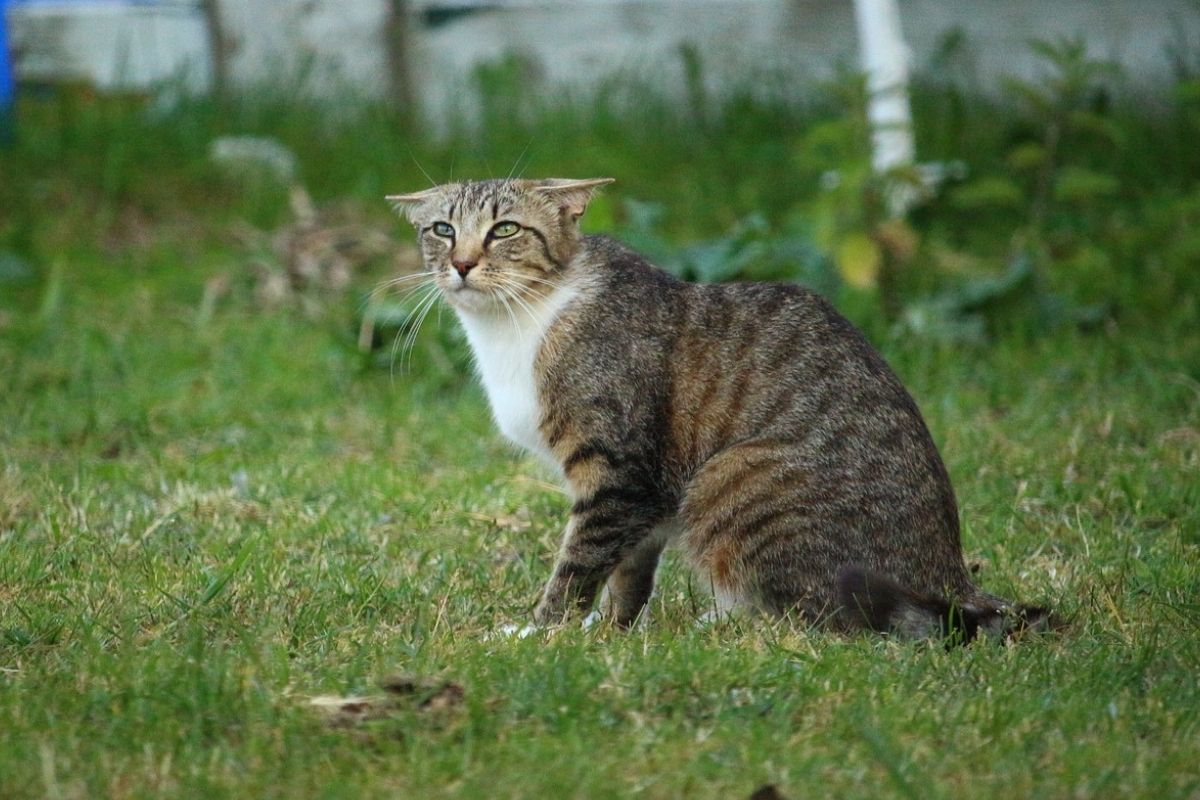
x: 633, y: 297
x: 774, y: 344
x: 776, y: 337
x: 729, y: 362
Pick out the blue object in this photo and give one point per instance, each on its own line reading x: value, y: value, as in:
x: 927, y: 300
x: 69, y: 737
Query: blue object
x: 7, y: 116
x: 6, y: 77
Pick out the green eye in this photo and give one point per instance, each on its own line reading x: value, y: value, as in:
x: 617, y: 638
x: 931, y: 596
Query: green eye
x: 505, y: 229
x: 443, y: 229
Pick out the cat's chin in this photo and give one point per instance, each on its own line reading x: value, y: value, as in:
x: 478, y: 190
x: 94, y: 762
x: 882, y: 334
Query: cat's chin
x: 470, y: 299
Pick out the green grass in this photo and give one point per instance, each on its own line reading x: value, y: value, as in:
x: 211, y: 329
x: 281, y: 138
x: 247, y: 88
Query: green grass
x: 207, y: 519
x: 203, y: 527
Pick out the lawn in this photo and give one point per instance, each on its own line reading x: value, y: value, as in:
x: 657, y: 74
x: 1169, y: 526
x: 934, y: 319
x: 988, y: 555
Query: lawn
x: 214, y: 508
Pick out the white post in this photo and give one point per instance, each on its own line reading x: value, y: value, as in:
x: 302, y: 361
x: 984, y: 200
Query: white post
x: 885, y: 61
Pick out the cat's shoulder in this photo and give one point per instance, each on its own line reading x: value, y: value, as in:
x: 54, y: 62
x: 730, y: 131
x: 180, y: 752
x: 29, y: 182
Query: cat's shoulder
x: 629, y: 281
x: 606, y: 255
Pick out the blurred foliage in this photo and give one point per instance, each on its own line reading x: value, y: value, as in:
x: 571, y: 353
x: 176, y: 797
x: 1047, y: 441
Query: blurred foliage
x: 1071, y: 198
x: 1062, y: 118
x: 751, y: 250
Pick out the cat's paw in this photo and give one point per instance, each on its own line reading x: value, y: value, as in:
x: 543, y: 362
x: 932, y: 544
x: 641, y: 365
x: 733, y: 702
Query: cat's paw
x: 550, y: 611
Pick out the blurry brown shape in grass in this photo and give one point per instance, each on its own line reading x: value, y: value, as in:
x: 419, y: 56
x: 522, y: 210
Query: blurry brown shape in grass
x: 313, y: 258
x: 401, y: 693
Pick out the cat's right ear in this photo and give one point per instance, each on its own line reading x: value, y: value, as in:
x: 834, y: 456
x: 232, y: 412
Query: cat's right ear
x: 407, y: 204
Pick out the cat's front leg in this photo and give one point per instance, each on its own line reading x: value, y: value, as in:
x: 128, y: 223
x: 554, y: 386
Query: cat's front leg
x: 602, y: 531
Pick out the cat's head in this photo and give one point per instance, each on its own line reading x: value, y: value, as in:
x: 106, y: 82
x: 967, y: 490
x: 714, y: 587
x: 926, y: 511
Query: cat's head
x: 488, y: 240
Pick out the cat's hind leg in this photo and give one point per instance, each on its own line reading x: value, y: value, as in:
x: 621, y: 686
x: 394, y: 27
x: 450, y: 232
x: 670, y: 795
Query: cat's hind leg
x: 750, y: 535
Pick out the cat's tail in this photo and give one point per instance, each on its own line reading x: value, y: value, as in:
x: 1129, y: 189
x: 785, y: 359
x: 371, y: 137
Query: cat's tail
x: 881, y: 604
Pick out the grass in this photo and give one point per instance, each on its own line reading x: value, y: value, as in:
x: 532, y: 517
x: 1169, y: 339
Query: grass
x: 211, y: 513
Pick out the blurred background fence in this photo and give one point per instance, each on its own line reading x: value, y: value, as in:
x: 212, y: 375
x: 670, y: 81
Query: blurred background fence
x: 424, y: 51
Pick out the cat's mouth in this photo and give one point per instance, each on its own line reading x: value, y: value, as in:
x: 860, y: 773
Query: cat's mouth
x: 468, y: 295
x: 465, y: 288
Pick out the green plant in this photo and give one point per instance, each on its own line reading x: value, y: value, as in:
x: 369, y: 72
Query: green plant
x: 1052, y: 180
x: 750, y: 250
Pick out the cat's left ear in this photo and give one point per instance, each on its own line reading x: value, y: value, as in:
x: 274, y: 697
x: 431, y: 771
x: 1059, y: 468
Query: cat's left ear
x: 572, y: 196
x: 407, y: 204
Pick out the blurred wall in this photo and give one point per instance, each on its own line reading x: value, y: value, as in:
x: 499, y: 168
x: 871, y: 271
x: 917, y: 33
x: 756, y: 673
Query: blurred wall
x: 109, y: 44
x: 339, y: 46
x: 331, y: 45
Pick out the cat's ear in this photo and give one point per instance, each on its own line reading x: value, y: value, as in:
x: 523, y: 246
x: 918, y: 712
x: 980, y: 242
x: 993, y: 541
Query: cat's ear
x: 407, y: 204
x: 572, y: 196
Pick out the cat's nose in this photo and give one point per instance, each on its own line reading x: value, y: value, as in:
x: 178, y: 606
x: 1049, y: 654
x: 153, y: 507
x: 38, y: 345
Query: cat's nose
x: 463, y: 267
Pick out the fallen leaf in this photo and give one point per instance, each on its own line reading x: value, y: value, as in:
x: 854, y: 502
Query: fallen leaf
x: 432, y: 695
x: 402, y: 692
x: 344, y: 712
x: 518, y: 521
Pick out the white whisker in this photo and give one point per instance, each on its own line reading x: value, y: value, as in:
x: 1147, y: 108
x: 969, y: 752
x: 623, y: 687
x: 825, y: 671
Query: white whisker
x: 412, y: 338
x: 525, y: 306
x: 428, y: 177
x: 511, y: 288
x: 409, y: 328
x: 536, y: 279
x: 512, y: 317
x: 392, y: 282
x: 518, y: 161
x: 403, y: 331
x: 381, y: 289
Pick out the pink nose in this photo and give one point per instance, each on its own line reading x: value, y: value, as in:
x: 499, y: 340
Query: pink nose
x: 464, y: 267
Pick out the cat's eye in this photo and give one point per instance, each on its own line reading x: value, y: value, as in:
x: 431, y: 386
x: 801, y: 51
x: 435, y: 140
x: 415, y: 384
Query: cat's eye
x: 505, y: 229
x: 443, y: 229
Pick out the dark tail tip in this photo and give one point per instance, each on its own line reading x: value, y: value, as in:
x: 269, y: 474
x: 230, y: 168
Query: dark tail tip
x: 879, y: 603
x: 870, y: 600
x: 883, y: 605
x: 1032, y: 619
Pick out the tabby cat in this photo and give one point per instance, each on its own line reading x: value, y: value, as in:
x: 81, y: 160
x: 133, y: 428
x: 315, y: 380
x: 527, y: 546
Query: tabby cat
x: 750, y: 424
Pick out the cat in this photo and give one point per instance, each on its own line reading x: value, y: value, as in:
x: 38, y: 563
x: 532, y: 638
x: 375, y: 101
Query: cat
x: 748, y: 423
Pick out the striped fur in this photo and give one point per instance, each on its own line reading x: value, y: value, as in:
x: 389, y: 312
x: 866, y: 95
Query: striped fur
x: 749, y: 423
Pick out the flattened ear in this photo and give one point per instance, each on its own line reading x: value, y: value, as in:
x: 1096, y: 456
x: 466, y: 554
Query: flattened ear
x: 572, y: 196
x: 407, y: 204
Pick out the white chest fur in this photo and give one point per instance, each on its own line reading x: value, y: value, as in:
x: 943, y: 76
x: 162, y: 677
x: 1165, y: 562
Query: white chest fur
x: 505, y: 347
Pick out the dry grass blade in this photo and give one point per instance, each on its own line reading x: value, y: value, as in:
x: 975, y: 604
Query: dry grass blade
x: 402, y: 693
x: 430, y: 695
